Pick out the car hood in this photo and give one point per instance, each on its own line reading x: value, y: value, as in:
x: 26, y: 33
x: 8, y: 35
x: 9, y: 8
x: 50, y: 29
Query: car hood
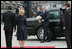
x: 50, y: 20
x: 31, y: 19
x: 32, y: 22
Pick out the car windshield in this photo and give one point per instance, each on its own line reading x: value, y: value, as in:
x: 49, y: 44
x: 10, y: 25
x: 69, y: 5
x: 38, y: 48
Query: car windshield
x: 54, y: 14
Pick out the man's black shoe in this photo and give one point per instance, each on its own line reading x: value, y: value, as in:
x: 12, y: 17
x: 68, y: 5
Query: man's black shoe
x: 48, y: 40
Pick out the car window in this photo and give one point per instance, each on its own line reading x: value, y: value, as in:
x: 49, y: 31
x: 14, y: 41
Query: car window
x: 54, y: 14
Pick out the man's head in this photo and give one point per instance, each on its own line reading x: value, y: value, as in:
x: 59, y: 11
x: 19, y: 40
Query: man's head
x: 67, y: 5
x: 10, y: 8
x: 38, y: 8
x: 43, y: 8
x: 21, y: 6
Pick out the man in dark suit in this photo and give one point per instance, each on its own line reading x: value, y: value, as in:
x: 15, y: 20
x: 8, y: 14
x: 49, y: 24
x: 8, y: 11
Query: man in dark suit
x: 67, y: 24
x: 45, y: 23
x: 9, y: 23
x: 19, y: 8
x: 38, y: 11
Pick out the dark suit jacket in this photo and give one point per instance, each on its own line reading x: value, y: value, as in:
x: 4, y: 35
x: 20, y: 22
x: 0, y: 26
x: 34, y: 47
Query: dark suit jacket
x: 67, y: 18
x: 38, y: 13
x: 9, y: 20
x: 45, y: 17
x: 17, y: 11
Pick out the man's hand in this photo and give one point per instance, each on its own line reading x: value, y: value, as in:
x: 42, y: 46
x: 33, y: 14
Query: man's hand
x: 64, y: 28
x: 42, y: 20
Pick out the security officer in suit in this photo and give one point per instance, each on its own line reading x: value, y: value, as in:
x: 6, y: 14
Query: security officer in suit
x: 9, y: 24
x: 67, y: 24
x: 18, y: 9
x: 45, y: 23
x: 38, y: 11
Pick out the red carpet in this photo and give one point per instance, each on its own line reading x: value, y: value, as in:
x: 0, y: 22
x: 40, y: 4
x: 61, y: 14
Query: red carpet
x: 34, y: 47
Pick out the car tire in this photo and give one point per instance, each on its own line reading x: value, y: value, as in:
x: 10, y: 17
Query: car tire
x: 40, y: 33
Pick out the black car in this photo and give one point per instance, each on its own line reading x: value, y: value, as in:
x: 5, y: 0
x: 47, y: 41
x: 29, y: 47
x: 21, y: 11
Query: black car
x: 55, y: 25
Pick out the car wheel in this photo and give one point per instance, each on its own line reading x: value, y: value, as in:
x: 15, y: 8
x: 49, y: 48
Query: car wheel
x: 40, y: 33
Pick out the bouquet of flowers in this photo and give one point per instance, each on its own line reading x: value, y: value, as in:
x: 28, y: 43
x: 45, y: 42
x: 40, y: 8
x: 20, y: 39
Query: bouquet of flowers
x: 39, y: 19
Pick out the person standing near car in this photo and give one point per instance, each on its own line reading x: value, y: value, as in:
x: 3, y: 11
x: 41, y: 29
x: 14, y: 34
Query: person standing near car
x: 38, y: 11
x: 45, y: 23
x: 67, y: 24
x: 21, y: 7
x: 9, y: 25
x: 21, y: 28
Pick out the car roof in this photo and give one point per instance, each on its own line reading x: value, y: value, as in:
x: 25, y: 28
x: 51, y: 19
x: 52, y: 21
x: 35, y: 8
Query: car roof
x: 53, y: 9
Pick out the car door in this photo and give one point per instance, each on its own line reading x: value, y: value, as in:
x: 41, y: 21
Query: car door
x: 55, y: 23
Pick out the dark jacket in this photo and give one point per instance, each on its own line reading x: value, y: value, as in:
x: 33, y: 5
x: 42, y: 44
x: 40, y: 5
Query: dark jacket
x: 67, y: 18
x: 21, y: 23
x: 9, y: 20
x: 21, y: 27
x: 17, y: 11
x: 45, y: 17
x: 38, y: 13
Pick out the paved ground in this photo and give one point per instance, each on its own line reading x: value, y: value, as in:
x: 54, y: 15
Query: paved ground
x: 32, y: 41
